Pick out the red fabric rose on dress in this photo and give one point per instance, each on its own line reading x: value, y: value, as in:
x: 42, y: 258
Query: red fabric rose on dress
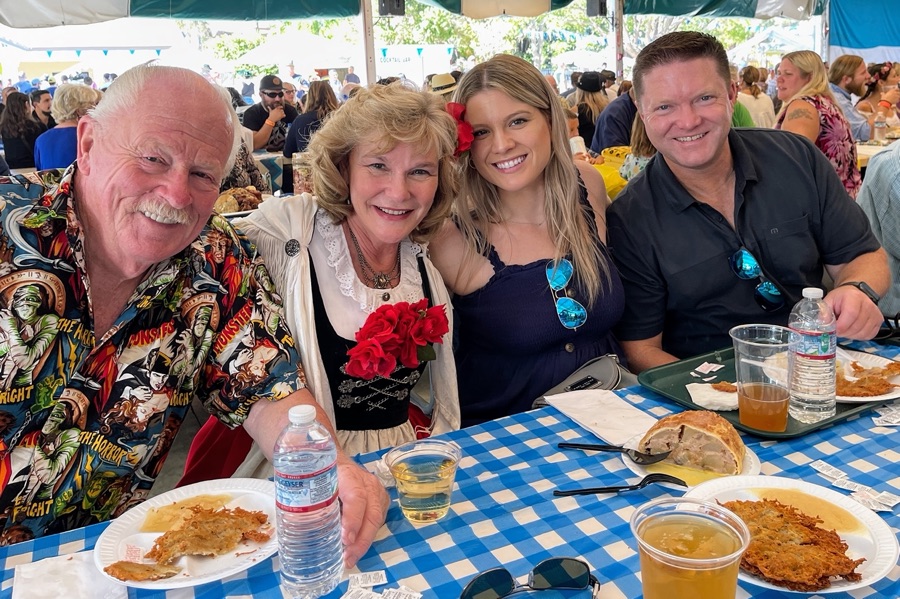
x: 368, y: 360
x: 400, y: 332
x: 465, y: 135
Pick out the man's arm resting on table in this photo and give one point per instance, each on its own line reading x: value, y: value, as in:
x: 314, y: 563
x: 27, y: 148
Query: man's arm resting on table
x: 857, y: 316
x: 364, y: 500
x: 646, y: 353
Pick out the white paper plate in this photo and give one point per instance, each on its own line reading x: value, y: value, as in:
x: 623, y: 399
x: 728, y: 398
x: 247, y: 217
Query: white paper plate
x: 875, y: 541
x: 868, y: 361
x: 237, y: 214
x: 124, y: 531
x: 751, y: 466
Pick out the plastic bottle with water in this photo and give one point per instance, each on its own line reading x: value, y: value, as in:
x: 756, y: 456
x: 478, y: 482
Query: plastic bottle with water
x: 308, y: 513
x: 813, y: 354
x: 880, y: 127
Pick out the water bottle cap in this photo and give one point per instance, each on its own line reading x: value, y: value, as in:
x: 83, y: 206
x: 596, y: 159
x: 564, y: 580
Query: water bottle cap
x: 813, y: 293
x: 302, y: 414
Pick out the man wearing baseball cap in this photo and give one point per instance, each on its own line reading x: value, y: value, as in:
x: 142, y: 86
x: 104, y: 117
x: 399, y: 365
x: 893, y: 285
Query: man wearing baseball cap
x: 270, y: 118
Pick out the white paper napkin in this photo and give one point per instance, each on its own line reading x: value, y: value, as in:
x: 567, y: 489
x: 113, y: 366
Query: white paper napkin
x: 711, y: 399
x: 72, y: 576
x: 604, y: 413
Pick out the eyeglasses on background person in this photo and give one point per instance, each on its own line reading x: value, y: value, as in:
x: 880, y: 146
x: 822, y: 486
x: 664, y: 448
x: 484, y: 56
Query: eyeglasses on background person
x: 746, y: 267
x: 273, y: 94
x: 559, y: 573
x: 571, y: 313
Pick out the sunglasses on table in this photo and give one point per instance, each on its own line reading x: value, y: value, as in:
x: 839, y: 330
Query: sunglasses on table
x: 557, y: 573
x: 746, y: 267
x: 571, y: 313
x: 273, y: 94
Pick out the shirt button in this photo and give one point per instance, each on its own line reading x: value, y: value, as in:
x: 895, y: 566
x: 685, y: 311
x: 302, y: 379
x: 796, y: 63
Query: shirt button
x: 570, y: 347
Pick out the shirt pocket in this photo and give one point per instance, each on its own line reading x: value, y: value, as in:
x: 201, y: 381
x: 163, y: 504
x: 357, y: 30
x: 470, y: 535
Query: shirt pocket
x: 789, y: 251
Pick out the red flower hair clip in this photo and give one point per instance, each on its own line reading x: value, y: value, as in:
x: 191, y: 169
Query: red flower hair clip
x: 464, y: 133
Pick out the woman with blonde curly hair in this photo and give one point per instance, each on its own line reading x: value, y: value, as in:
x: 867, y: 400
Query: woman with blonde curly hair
x: 55, y: 148
x: 383, y: 177
x: 809, y: 109
x: 536, y: 292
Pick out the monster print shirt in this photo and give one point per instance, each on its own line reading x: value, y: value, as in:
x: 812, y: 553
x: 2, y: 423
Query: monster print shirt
x: 86, y: 424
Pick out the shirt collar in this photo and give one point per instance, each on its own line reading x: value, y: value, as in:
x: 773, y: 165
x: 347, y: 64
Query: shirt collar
x: 840, y: 91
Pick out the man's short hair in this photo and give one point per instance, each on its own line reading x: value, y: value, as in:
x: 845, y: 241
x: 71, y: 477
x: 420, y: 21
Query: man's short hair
x: 36, y: 95
x: 844, y: 65
x: 679, y: 46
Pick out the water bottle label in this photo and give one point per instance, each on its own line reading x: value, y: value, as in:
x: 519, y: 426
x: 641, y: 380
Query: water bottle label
x: 306, y: 492
x: 819, y: 346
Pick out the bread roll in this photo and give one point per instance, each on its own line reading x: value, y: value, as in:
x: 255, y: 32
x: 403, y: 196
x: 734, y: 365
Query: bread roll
x: 697, y: 439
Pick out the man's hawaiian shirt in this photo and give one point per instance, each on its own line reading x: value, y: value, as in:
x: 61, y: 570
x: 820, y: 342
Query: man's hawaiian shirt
x: 85, y: 426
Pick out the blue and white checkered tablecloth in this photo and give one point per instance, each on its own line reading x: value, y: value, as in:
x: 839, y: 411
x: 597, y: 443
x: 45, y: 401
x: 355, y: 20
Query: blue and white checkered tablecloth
x: 504, y: 514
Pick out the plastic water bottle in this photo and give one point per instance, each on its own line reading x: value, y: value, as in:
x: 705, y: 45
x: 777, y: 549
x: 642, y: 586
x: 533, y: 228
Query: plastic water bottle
x: 880, y: 126
x: 813, y: 355
x: 308, y: 513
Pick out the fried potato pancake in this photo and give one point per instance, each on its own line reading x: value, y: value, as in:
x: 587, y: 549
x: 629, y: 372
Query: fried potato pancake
x: 131, y: 571
x: 868, y: 382
x: 789, y: 549
x: 172, y: 515
x: 210, y: 532
x: 725, y: 387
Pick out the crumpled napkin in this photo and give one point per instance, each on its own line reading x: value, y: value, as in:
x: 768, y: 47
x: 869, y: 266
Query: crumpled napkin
x: 711, y: 399
x: 604, y: 413
x: 73, y: 576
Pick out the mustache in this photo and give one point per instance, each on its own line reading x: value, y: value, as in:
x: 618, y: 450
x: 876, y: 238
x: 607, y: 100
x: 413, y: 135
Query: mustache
x: 163, y: 210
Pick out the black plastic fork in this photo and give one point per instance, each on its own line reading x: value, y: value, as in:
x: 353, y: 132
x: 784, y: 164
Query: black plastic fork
x: 644, y: 459
x: 647, y: 480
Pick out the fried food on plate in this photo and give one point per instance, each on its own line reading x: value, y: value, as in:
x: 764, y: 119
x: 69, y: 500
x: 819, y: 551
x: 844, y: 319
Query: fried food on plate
x: 789, y: 549
x: 867, y: 382
x: 210, y: 532
x: 172, y: 515
x: 238, y: 199
x: 131, y: 571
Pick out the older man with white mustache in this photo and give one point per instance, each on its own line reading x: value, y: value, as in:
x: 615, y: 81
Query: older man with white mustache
x: 127, y: 257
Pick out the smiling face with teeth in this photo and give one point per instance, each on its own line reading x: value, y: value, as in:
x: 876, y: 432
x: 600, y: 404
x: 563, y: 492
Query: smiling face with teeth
x: 686, y: 107
x: 391, y: 192
x: 512, y: 142
x: 147, y: 181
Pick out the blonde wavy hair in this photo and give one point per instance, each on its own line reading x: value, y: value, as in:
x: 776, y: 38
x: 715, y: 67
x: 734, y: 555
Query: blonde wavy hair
x: 385, y: 115
x: 595, y: 101
x: 72, y: 101
x: 567, y: 219
x: 810, y: 65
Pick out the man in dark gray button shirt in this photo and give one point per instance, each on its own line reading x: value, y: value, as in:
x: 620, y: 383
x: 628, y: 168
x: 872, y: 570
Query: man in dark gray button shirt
x: 711, y: 192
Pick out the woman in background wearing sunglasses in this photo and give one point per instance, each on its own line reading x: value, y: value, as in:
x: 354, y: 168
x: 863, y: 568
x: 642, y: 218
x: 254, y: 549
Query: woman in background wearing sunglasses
x: 536, y: 292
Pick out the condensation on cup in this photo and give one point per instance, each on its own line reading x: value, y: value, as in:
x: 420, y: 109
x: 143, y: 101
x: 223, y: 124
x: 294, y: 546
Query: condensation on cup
x: 577, y: 145
x: 302, y: 173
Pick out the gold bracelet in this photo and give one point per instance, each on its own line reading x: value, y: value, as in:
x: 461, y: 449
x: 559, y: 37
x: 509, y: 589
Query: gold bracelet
x: 270, y: 122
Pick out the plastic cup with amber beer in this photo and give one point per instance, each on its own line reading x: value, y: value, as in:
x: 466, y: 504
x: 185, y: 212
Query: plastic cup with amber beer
x: 424, y: 471
x: 762, y: 365
x: 689, y: 549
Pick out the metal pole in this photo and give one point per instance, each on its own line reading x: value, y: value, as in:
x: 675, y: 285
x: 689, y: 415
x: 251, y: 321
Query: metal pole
x: 619, y: 23
x: 368, y: 40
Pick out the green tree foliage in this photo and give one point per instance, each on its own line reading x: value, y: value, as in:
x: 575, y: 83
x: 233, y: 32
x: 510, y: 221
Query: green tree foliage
x: 424, y: 24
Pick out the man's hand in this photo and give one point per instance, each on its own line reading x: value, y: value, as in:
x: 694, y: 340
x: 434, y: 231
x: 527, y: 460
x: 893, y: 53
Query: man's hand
x: 276, y: 113
x: 364, y: 508
x: 857, y: 316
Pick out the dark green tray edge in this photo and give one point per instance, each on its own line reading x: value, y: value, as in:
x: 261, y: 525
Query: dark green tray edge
x: 669, y: 380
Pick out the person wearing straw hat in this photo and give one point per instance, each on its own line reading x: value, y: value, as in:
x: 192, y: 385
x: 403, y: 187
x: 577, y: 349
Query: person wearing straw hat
x: 443, y: 84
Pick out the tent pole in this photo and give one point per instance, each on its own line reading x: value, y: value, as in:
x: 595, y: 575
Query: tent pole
x: 368, y: 40
x: 619, y: 22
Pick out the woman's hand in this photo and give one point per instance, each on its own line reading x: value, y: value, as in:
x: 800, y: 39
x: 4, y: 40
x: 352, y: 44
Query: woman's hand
x: 364, y: 505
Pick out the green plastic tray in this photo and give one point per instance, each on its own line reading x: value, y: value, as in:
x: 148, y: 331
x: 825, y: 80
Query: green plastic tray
x: 669, y: 380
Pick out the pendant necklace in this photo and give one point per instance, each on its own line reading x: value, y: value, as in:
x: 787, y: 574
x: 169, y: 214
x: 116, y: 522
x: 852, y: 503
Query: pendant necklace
x: 372, y: 277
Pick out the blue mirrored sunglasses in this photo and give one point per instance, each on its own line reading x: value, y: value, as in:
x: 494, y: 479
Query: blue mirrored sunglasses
x: 745, y: 266
x: 571, y: 313
x: 554, y: 573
